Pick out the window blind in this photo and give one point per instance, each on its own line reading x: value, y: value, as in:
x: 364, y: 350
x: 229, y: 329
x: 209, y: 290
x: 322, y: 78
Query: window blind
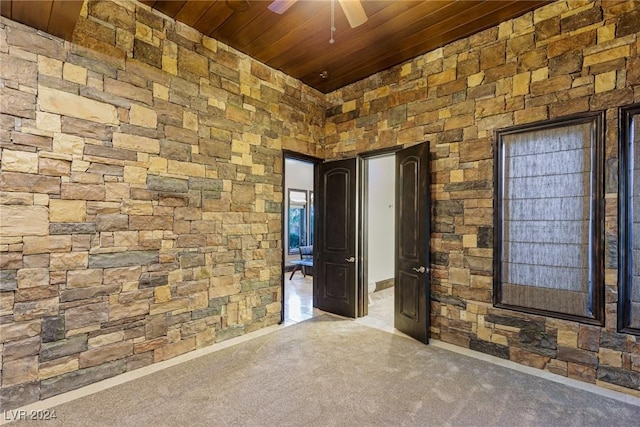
x: 547, y: 219
x: 634, y: 167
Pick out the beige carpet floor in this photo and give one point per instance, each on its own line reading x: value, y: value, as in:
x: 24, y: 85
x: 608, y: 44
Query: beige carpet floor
x: 332, y: 372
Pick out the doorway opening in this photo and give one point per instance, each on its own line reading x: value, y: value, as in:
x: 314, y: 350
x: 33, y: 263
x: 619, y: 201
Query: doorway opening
x: 378, y: 239
x: 340, y: 254
x: 298, y: 237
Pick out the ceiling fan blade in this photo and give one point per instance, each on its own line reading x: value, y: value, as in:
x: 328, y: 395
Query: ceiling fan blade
x: 354, y: 12
x: 281, y: 6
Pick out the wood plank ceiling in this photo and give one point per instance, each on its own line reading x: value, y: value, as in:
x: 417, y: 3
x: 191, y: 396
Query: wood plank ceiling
x: 57, y: 17
x: 297, y: 42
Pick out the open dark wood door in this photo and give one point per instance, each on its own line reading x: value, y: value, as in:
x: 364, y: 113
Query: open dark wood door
x: 335, y: 245
x: 412, y: 242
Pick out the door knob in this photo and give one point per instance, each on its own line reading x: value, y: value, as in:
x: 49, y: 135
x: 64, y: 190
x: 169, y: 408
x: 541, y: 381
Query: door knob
x: 352, y: 259
x: 420, y: 270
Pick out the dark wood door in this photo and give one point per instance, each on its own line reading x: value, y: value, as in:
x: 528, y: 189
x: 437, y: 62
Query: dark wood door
x: 335, y: 245
x: 412, y: 242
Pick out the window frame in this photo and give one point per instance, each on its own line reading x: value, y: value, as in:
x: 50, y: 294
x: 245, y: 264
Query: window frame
x: 626, y: 146
x: 310, y: 218
x: 597, y: 289
x: 305, y: 218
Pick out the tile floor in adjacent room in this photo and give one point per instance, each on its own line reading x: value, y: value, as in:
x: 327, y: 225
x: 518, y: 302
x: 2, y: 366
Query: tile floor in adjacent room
x: 299, y: 304
x: 298, y: 294
x: 380, y: 314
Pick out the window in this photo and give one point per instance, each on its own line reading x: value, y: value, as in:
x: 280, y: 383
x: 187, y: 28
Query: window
x: 298, y: 228
x: 311, y: 218
x: 548, y: 198
x: 629, y: 236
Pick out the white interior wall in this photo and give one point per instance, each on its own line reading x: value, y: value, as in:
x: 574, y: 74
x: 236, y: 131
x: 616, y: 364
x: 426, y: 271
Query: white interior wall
x: 381, y: 218
x: 298, y: 176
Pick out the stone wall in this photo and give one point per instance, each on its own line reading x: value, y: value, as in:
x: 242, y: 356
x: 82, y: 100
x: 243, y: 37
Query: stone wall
x: 566, y: 58
x: 141, y: 184
x: 141, y: 191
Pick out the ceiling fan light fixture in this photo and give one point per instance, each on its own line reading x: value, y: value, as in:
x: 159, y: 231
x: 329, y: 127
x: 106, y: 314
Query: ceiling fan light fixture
x: 281, y: 6
x: 238, y: 5
x: 354, y: 12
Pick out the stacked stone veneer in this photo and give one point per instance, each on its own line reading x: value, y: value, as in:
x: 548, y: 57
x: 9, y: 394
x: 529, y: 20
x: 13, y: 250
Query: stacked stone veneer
x: 140, y: 193
x: 141, y: 189
x: 569, y: 57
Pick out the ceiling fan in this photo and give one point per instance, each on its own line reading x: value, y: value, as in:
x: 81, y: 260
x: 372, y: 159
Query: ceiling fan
x: 352, y: 9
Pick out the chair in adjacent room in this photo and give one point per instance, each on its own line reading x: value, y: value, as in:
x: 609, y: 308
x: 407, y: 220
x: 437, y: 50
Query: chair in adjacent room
x: 306, y: 261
